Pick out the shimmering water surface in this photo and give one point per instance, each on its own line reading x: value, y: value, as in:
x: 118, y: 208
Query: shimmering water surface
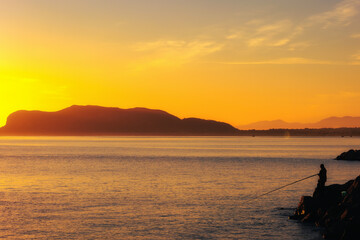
x: 161, y: 187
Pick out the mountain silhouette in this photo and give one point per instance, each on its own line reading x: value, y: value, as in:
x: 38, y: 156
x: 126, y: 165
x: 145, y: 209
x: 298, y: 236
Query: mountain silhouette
x: 96, y: 120
x: 338, y: 122
x: 331, y: 122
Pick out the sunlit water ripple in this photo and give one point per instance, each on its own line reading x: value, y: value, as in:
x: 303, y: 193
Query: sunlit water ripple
x: 162, y: 187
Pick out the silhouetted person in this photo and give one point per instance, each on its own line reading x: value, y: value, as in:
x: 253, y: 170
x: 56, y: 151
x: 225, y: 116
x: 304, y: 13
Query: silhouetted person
x: 322, y: 176
x: 319, y: 190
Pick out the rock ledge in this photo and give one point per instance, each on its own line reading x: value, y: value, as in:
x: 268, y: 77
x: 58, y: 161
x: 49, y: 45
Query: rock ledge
x: 351, y: 155
x: 337, y: 209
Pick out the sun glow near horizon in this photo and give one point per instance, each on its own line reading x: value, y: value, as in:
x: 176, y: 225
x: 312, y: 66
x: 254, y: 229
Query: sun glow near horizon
x: 231, y: 61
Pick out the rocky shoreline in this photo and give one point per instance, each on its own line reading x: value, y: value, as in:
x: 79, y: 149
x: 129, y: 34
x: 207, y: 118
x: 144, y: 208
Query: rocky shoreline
x: 351, y: 155
x: 336, y: 208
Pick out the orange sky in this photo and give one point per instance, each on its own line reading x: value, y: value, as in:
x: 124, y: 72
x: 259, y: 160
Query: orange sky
x: 229, y: 60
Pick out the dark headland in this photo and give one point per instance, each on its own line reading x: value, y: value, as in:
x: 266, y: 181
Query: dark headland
x: 105, y: 121
x: 96, y: 120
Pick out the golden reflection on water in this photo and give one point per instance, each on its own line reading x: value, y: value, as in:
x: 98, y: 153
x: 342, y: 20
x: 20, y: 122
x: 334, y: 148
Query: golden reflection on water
x: 162, y: 188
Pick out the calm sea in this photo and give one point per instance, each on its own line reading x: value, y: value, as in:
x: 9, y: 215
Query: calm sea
x: 162, y: 187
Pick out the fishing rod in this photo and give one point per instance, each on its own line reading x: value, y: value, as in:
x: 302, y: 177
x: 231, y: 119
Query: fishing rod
x: 256, y: 197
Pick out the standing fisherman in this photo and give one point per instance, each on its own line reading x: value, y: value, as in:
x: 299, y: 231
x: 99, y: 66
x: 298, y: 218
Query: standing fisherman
x: 322, y: 177
x: 319, y: 190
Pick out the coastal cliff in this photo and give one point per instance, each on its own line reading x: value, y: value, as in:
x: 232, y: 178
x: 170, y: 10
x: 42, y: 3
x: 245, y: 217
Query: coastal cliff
x: 337, y: 209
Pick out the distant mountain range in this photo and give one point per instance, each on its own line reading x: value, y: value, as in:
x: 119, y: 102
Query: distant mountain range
x: 331, y: 122
x: 96, y: 120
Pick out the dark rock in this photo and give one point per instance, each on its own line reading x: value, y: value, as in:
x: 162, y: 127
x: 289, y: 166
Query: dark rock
x: 305, y: 207
x: 337, y: 209
x: 351, y: 155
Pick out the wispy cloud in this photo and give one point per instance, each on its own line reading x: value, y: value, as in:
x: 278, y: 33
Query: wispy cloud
x: 356, y: 58
x: 258, y: 33
x: 160, y: 44
x: 235, y: 35
x: 174, y: 52
x: 254, y: 42
x: 298, y: 46
x: 281, y: 42
x: 288, y: 35
x: 183, y: 49
x: 274, y: 28
x: 338, y: 96
x: 342, y: 15
x: 279, y: 33
x: 355, y: 35
x: 284, y: 61
x: 284, y: 34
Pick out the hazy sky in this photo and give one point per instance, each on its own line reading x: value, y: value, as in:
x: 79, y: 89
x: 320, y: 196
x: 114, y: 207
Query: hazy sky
x: 237, y: 61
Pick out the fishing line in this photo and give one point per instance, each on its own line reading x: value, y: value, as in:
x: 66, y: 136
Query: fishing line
x: 276, y: 189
